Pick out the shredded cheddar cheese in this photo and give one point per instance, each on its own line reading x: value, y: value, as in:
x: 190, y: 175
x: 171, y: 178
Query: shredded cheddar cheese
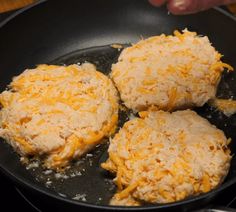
x: 170, y: 72
x: 163, y: 157
x: 59, y: 112
x: 226, y: 106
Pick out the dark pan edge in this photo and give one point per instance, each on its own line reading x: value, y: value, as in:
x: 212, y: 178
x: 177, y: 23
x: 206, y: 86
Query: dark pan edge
x: 121, y: 208
x: 233, y: 17
x: 18, y: 12
x: 43, y: 191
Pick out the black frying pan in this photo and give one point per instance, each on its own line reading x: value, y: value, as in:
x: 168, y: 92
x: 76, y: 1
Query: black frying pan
x: 65, y: 32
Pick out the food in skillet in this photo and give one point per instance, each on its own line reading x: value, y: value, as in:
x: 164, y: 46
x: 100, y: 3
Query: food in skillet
x: 163, y: 157
x: 58, y: 112
x: 226, y: 106
x: 170, y: 72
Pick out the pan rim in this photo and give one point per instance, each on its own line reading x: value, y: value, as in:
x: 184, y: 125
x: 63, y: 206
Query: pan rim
x: 43, y: 190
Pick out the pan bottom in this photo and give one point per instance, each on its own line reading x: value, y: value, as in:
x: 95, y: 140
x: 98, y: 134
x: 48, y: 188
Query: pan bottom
x: 85, y: 180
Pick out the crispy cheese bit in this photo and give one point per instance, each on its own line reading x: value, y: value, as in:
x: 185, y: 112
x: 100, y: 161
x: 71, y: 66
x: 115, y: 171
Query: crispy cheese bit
x: 116, y: 46
x: 179, y: 34
x: 219, y: 66
x: 126, y: 192
x: 115, y: 159
x: 60, y: 112
x: 229, y: 141
x: 226, y: 106
x: 118, y: 179
x: 108, y: 165
x: 163, y: 157
x: 67, y: 153
x: 227, y: 66
x: 148, y: 72
x: 129, y: 201
x: 26, y: 147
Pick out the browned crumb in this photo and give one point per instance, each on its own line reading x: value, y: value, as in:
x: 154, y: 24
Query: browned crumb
x: 116, y: 46
x: 226, y: 106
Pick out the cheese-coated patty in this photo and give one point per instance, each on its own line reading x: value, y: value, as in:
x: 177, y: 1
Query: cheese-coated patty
x: 58, y: 111
x: 163, y: 157
x: 170, y: 72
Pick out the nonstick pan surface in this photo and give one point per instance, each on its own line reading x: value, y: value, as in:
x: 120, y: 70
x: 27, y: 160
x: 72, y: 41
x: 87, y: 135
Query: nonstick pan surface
x: 75, y: 31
